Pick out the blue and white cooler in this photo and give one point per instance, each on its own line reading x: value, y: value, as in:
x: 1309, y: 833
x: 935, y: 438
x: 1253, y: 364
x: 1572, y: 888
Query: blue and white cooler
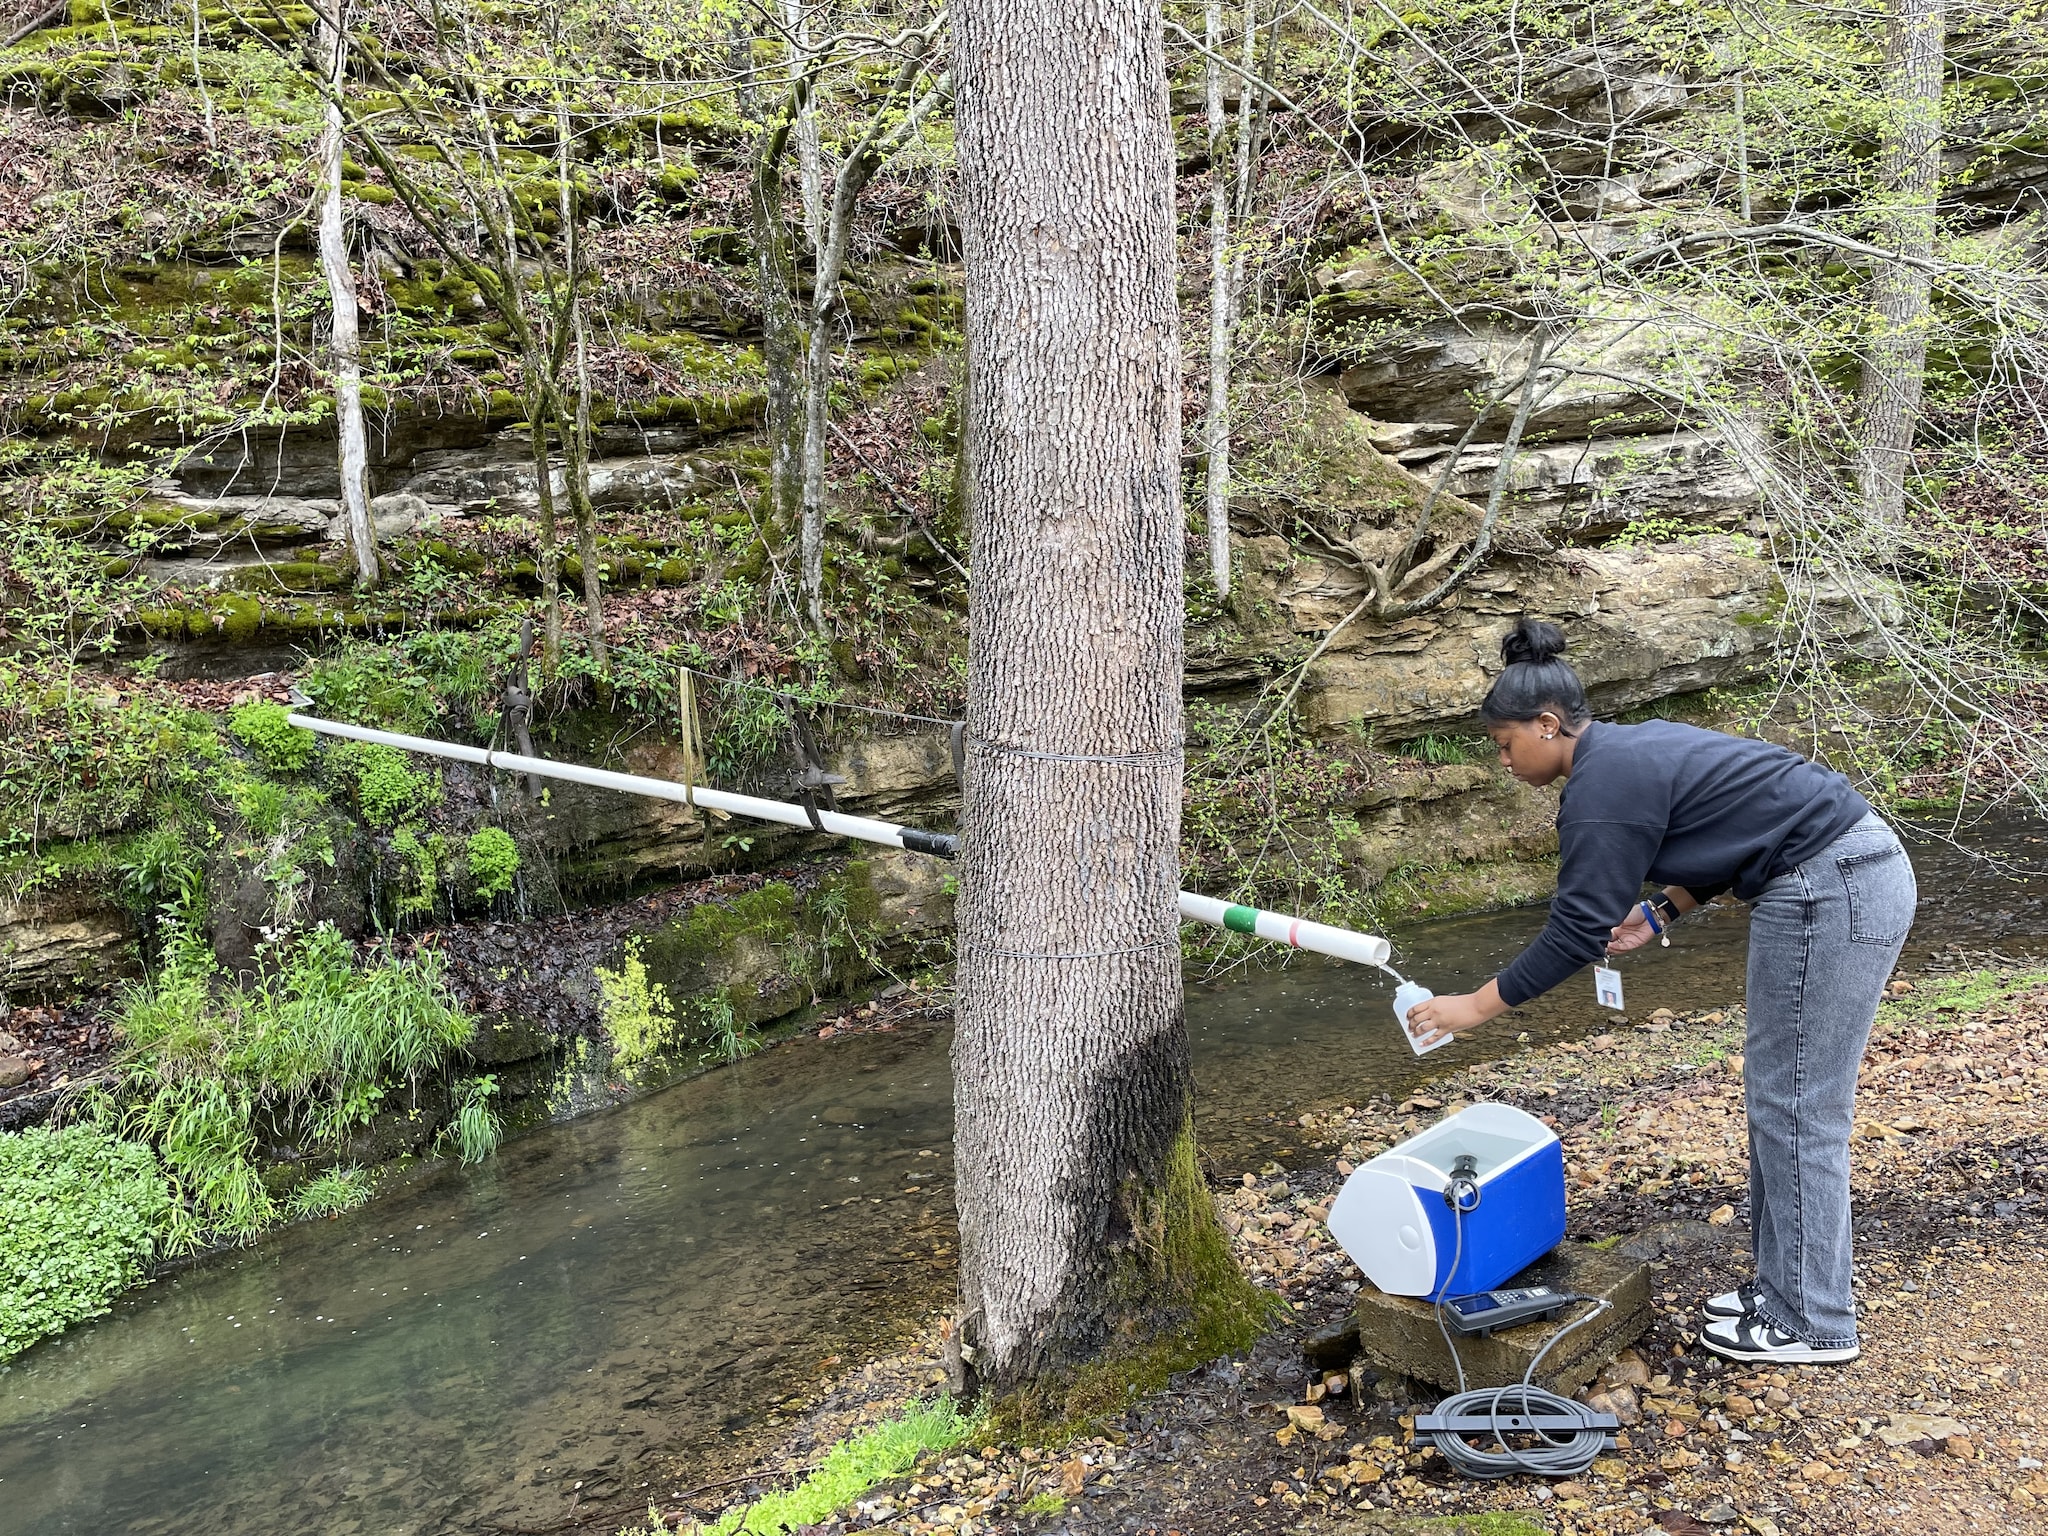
x: 1393, y: 1219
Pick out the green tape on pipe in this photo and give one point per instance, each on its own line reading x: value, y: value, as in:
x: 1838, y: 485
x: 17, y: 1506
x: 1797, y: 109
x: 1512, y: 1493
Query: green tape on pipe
x: 1241, y: 919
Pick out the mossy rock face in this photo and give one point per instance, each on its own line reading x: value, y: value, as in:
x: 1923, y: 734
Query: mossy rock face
x: 290, y: 576
x: 722, y: 243
x: 498, y: 1041
x: 891, y: 910
x: 750, y: 949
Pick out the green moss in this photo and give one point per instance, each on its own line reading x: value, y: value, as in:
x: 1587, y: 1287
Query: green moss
x: 236, y: 619
x: 1182, y: 1300
x: 713, y: 927
x: 1452, y: 889
x: 849, y: 1469
x: 291, y: 576
x: 1771, y: 612
x: 721, y: 243
x: 709, y: 412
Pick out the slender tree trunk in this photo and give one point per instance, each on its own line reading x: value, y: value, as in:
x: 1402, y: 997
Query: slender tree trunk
x: 1742, y: 147
x: 775, y: 279
x: 1895, y: 359
x: 817, y: 399
x: 575, y: 424
x: 1216, y: 425
x: 550, y: 542
x: 817, y: 383
x: 352, y: 442
x: 493, y: 209
x: 1083, y: 1220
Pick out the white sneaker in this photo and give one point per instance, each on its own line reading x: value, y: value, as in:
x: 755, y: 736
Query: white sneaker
x: 1751, y: 1338
x: 1729, y: 1305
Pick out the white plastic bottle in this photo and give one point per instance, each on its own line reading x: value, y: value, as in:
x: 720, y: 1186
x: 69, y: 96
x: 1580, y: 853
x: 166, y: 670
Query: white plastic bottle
x: 1406, y: 996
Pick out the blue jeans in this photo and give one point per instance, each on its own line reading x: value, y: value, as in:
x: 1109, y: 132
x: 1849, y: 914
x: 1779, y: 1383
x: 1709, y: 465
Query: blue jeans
x: 1823, y: 938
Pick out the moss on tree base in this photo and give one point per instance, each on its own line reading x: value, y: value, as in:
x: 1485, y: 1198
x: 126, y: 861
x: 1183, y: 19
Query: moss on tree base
x: 1180, y: 1301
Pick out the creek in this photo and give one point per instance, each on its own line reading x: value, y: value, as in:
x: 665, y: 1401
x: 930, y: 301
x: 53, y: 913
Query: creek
x: 614, y: 1298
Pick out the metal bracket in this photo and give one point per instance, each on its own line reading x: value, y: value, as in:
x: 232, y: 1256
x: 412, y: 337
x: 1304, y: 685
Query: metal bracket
x: 814, y: 778
x: 1552, y: 1424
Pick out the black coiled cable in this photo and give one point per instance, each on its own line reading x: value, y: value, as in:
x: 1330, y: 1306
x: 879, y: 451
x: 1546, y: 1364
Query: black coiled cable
x: 1558, y: 1454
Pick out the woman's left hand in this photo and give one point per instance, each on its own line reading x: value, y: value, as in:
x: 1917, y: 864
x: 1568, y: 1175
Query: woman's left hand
x: 1435, y: 1016
x: 1632, y: 932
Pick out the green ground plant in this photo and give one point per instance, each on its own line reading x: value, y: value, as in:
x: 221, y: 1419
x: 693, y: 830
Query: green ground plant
x: 307, y: 1051
x: 637, y: 1012
x: 1445, y: 750
x: 332, y: 1193
x: 265, y: 729
x: 84, y: 1213
x: 492, y: 859
x: 386, y: 789
x: 420, y: 858
x: 729, y: 1037
x: 418, y: 681
x: 849, y: 1469
x: 475, y: 1130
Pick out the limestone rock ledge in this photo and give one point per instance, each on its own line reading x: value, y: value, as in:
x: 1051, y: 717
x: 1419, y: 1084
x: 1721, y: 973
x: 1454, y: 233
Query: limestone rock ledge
x: 57, y: 939
x: 1644, y: 623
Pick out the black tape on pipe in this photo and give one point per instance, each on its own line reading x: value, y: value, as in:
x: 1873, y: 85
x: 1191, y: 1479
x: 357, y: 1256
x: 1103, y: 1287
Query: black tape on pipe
x: 940, y: 845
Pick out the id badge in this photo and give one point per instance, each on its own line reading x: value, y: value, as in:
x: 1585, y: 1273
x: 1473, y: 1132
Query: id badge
x: 1607, y: 986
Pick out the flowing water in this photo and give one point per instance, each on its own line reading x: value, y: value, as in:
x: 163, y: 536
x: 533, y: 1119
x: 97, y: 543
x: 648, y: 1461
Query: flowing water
x: 484, y: 1348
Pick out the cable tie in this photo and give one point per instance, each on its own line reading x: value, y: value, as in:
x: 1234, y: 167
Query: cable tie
x: 1172, y: 754
x: 1084, y: 954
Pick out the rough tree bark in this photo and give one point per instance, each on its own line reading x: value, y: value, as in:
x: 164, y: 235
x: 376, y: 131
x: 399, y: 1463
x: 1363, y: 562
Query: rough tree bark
x: 1895, y: 359
x: 352, y: 443
x: 1083, y: 1219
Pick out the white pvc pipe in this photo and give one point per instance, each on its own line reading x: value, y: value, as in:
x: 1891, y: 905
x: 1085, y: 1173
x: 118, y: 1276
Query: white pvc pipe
x: 865, y: 828
x: 1296, y: 932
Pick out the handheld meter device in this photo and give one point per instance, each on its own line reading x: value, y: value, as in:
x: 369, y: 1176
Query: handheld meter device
x: 1488, y: 1311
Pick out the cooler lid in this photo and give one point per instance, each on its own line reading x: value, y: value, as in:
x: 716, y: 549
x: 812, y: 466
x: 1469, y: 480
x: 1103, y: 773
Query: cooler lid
x: 1378, y: 1219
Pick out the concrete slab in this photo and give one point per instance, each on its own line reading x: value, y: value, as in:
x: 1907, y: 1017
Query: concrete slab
x: 1399, y: 1334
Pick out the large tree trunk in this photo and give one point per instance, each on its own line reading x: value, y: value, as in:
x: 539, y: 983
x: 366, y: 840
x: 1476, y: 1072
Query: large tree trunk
x: 1895, y: 360
x: 352, y: 445
x: 1083, y: 1220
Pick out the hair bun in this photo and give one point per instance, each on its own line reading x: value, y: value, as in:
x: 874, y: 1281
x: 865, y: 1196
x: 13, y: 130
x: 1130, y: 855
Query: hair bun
x: 1532, y: 641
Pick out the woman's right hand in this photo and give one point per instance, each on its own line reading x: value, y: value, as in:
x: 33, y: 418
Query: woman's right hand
x: 1632, y: 932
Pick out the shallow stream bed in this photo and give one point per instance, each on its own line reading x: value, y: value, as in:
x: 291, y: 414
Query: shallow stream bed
x: 617, y: 1296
